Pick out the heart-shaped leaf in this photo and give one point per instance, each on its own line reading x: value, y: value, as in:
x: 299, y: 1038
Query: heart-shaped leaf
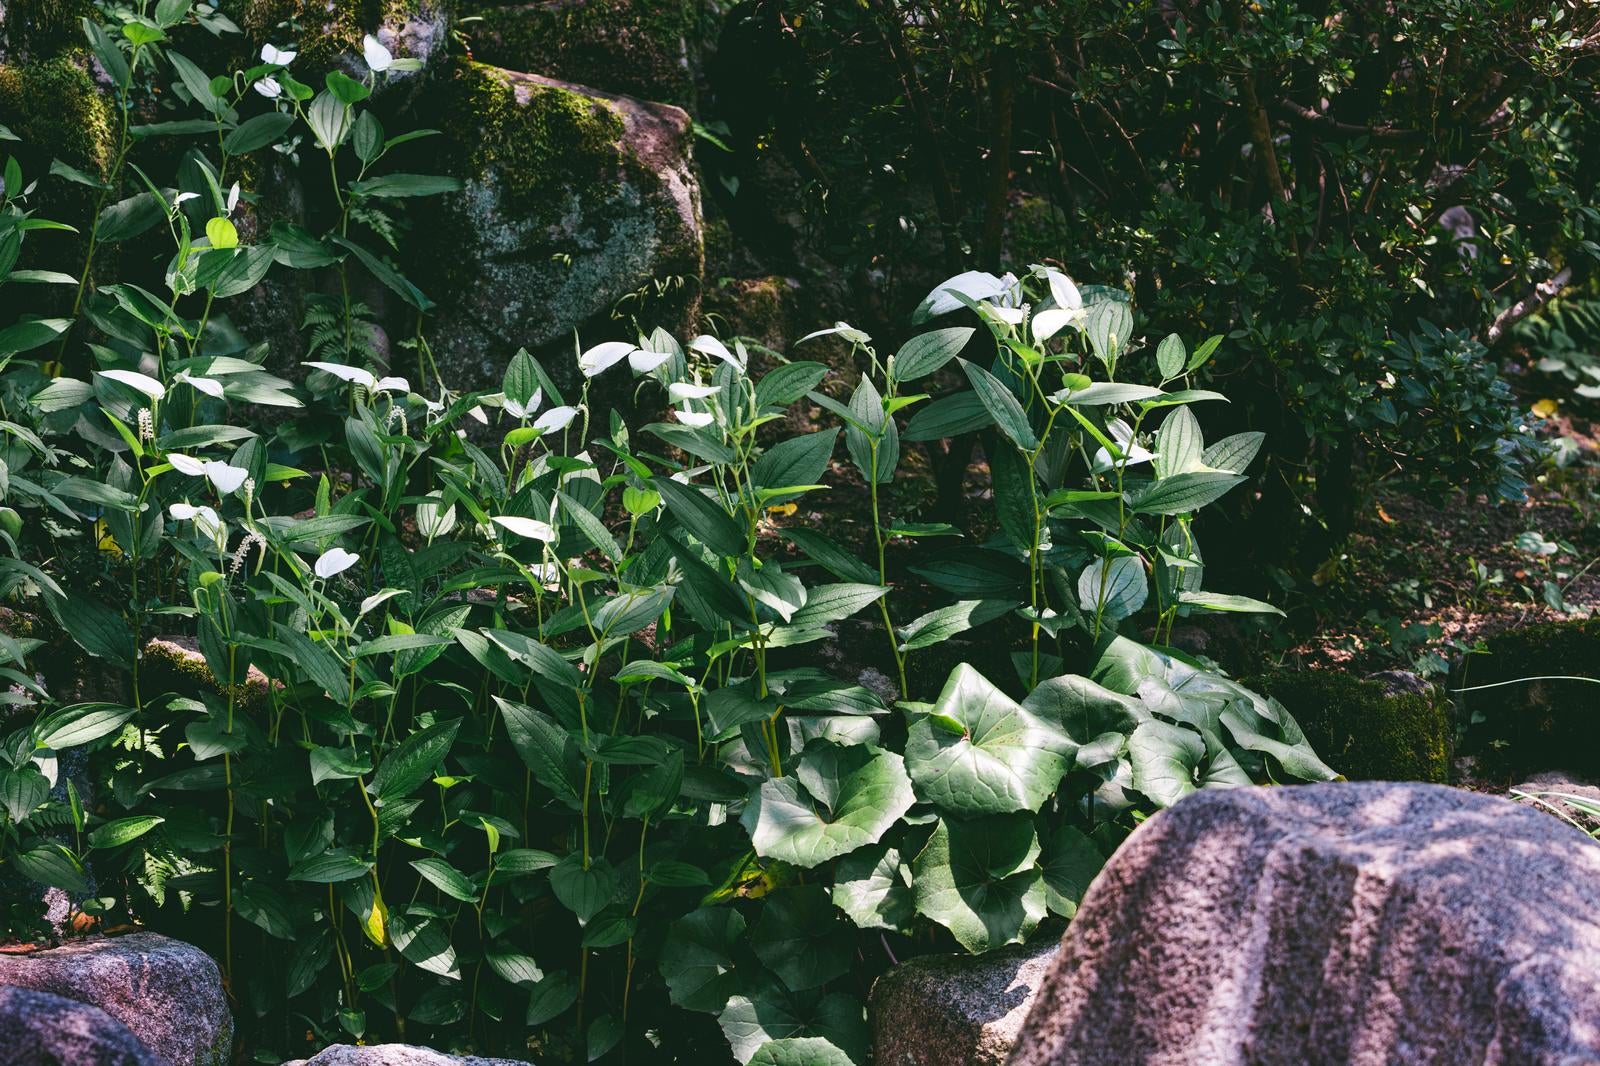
x: 979, y: 880
x: 1008, y: 758
x: 852, y: 797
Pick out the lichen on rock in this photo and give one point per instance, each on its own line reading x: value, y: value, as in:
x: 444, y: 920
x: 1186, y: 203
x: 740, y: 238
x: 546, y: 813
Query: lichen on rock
x: 1366, y: 730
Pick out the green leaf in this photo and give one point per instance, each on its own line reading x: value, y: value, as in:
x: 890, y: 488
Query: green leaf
x: 697, y: 958
x: 942, y: 624
x: 584, y: 892
x: 1265, y: 726
x: 347, y: 89
x: 870, y: 435
x: 1233, y: 454
x: 764, y: 1012
x: 1084, y: 710
x: 53, y: 865
x: 514, y: 967
x: 1166, y: 759
x: 330, y: 867
x: 425, y: 943
x: 446, y: 879
x: 401, y: 185
x: 1113, y: 589
x: 769, y: 585
x: 1106, y: 393
x: 706, y: 521
x: 864, y: 795
x: 1179, y: 445
x: 1006, y: 759
x: 794, y: 461
x: 785, y: 384
x: 834, y: 602
x: 22, y: 790
x: 1002, y: 406
x: 1170, y: 356
x: 928, y: 352
x: 871, y: 886
x: 123, y: 830
x: 1110, y: 327
x: 800, y: 1051
x: 258, y: 132
x: 949, y: 416
x: 838, y: 561
x: 1071, y: 862
x: 1217, y: 601
x: 800, y: 938
x: 194, y: 79
x: 545, y: 748
x: 593, y: 530
x: 31, y: 333
x: 1185, y: 492
x: 979, y: 880
x: 414, y: 761
x: 79, y: 723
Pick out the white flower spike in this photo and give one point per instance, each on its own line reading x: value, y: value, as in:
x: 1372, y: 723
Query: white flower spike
x: 334, y: 561
x: 378, y: 57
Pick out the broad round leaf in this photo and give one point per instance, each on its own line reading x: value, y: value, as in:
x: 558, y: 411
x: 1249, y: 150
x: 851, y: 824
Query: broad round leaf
x: 787, y: 822
x: 979, y: 752
x: 697, y: 958
x: 979, y: 880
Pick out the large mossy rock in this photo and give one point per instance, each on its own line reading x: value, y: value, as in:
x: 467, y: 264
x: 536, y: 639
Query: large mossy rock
x: 580, y: 212
x: 167, y: 992
x: 1368, y: 924
x: 1523, y: 726
x: 1368, y: 730
x: 39, y: 28
x: 645, y: 48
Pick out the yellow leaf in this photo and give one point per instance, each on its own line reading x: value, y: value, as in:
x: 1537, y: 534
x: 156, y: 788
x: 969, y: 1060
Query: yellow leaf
x: 103, y: 538
x: 376, y: 923
x: 1545, y: 408
x: 784, y: 509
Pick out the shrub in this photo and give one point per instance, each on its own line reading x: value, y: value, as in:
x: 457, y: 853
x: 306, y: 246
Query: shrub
x: 1533, y: 717
x: 1364, y: 730
x: 510, y: 733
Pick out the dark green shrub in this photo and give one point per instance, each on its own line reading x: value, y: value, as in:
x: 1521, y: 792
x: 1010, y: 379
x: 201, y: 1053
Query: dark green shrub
x: 1542, y: 724
x: 1366, y: 731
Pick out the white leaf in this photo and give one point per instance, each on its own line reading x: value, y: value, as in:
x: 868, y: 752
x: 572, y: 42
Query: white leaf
x: 679, y: 391
x: 226, y: 478
x: 694, y: 419
x: 643, y: 362
x: 352, y: 374
x: 377, y: 56
x: 557, y: 418
x: 603, y: 357
x: 269, y: 88
x: 334, y: 561
x: 139, y: 382
x: 183, y: 464
x: 205, y: 385
x: 531, y: 528
x: 1063, y: 291
x: 709, y: 345
x: 392, y: 385
x: 1047, y: 324
x: 276, y: 56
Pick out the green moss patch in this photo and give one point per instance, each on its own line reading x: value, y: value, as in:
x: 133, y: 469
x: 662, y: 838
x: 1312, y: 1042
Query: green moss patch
x: 638, y: 47
x: 40, y: 28
x: 1364, y: 731
x: 54, y: 107
x: 1536, y: 724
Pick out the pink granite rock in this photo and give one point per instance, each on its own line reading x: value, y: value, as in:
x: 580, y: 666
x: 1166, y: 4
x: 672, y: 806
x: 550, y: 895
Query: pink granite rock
x: 167, y: 992
x: 40, y: 1029
x: 1367, y: 924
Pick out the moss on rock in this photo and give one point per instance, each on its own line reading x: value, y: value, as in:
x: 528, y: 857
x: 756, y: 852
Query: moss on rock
x: 1363, y: 729
x: 1536, y: 724
x: 580, y: 211
x: 54, y: 107
x: 328, y: 33
x: 639, y: 47
x: 38, y: 29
